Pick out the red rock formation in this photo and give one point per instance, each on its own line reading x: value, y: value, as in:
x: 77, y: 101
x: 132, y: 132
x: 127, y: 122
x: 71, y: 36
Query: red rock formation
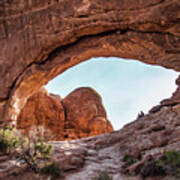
x: 85, y: 113
x: 41, y: 39
x: 80, y: 114
x: 44, y: 111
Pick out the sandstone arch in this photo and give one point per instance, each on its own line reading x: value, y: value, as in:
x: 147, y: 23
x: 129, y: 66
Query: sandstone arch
x: 41, y: 39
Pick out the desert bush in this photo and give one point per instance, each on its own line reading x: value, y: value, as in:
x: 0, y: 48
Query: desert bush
x: 32, y: 153
x: 129, y: 159
x: 9, y: 140
x: 102, y: 176
x: 151, y: 169
x: 53, y: 170
x: 171, y: 158
x: 43, y: 150
x: 31, y: 149
x: 167, y: 164
x: 170, y: 162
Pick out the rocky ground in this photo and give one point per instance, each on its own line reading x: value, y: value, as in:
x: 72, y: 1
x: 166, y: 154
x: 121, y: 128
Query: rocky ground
x: 81, y: 159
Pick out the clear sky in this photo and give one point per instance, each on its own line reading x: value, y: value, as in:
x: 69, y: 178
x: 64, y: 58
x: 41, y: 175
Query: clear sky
x: 126, y: 86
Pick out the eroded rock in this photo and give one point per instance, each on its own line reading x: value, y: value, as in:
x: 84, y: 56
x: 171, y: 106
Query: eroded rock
x: 40, y: 40
x: 85, y: 113
x: 80, y: 114
x: 44, y: 111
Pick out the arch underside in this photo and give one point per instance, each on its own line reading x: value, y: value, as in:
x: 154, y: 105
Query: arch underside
x: 43, y: 40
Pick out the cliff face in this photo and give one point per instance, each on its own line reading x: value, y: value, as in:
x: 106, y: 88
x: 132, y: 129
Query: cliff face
x: 41, y: 39
x: 80, y: 114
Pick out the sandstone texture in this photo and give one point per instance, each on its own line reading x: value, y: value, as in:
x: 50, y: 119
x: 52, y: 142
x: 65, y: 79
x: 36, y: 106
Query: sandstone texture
x: 85, y: 113
x: 147, y: 136
x: 41, y: 39
x: 80, y: 114
x: 43, y: 113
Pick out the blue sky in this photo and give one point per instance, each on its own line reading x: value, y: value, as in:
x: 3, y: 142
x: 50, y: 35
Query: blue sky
x: 126, y: 86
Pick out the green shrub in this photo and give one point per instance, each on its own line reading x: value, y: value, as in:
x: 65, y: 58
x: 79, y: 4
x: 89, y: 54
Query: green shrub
x: 103, y: 176
x: 172, y: 158
x: 129, y: 159
x: 170, y: 161
x: 43, y: 149
x: 30, y: 149
x: 9, y: 140
x: 151, y: 169
x: 33, y: 149
x: 52, y: 169
x: 167, y: 164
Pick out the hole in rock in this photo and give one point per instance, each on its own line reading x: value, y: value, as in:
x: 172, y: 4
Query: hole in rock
x: 125, y: 86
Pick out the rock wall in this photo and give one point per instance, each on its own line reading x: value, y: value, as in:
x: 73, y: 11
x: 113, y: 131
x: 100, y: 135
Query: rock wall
x: 80, y: 114
x: 41, y: 39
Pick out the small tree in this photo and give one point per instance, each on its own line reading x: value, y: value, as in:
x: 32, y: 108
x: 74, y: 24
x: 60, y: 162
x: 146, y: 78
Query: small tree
x: 31, y: 149
x: 9, y: 140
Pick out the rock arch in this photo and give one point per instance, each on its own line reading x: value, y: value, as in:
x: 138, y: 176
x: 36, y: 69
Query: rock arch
x: 41, y: 39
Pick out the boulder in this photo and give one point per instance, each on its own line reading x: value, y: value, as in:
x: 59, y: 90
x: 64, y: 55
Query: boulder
x: 85, y: 113
x: 42, y: 113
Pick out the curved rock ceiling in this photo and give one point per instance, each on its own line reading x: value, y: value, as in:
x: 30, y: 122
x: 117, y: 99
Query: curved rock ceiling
x: 41, y: 39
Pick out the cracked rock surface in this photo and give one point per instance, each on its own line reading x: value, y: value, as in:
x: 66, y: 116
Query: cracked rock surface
x: 150, y: 135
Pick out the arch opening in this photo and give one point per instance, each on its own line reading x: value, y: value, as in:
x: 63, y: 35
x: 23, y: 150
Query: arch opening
x: 130, y: 45
x: 119, y: 82
x: 134, y: 70
x: 61, y: 36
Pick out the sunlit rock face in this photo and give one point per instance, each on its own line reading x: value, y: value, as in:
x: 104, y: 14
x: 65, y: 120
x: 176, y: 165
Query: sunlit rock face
x: 41, y: 39
x: 80, y: 114
x: 85, y: 113
x: 45, y: 111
